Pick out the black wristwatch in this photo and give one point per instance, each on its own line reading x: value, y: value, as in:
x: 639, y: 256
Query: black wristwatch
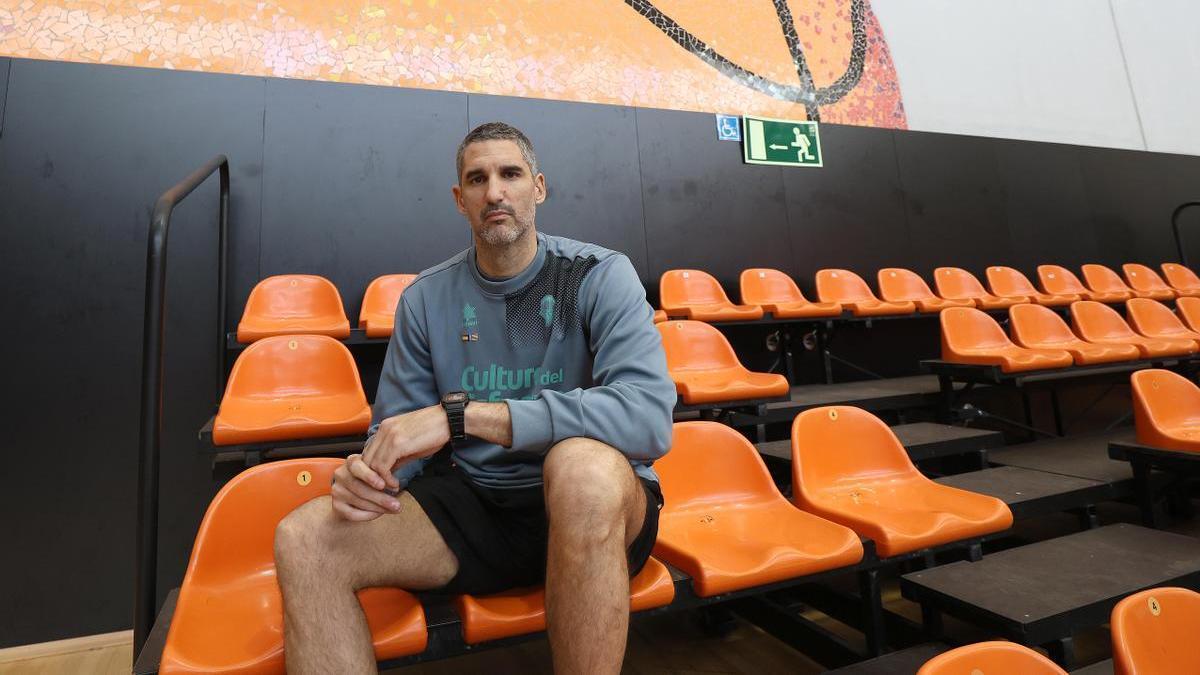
x: 455, y: 405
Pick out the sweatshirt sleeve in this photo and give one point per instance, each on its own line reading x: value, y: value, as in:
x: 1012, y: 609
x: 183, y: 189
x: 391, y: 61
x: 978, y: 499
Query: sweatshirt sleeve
x: 629, y: 405
x: 406, y: 382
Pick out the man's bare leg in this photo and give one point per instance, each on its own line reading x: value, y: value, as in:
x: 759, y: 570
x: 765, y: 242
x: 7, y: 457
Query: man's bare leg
x: 323, y: 559
x: 596, y: 506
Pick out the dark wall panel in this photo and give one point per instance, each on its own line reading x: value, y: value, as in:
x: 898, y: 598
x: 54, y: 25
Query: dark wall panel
x: 5, y: 64
x: 1132, y: 195
x: 850, y: 213
x: 955, y: 202
x: 589, y: 155
x: 704, y: 208
x: 86, y: 151
x: 358, y: 182
x: 1046, y: 204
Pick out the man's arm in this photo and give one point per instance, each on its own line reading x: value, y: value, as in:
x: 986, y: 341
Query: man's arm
x: 629, y: 406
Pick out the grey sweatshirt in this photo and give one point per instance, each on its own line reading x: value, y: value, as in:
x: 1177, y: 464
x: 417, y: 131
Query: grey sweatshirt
x: 569, y: 344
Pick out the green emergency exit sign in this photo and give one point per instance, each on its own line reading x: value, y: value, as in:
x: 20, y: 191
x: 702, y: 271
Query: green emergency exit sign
x: 780, y: 142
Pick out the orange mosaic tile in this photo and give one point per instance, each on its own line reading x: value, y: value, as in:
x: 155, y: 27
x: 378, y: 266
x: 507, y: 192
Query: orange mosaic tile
x: 824, y: 58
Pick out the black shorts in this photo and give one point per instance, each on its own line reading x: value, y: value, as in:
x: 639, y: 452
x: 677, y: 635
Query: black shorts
x: 500, y: 536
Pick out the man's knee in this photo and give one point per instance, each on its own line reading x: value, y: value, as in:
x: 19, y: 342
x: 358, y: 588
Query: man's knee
x: 589, y: 483
x: 300, y: 537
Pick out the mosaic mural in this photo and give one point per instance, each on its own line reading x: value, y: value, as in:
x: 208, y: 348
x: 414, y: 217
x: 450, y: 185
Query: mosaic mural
x: 820, y: 59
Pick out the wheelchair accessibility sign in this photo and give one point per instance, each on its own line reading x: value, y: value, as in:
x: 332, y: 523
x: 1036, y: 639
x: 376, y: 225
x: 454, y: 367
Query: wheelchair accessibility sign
x: 728, y: 128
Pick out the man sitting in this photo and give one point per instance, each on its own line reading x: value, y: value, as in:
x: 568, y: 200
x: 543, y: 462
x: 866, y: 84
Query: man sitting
x: 535, y: 358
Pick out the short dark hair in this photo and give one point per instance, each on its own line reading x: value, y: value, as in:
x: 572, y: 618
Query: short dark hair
x: 497, y: 131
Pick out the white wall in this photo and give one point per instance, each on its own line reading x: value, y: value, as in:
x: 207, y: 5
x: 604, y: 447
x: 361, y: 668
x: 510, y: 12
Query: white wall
x: 1114, y: 73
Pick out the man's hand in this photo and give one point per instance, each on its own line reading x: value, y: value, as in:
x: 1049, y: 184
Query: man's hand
x: 404, y: 438
x: 358, y: 492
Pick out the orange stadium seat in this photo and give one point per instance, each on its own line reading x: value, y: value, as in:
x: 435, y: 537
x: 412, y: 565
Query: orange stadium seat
x: 849, y: 467
x: 697, y: 295
x: 1154, y: 319
x: 1146, y: 282
x: 725, y: 523
x: 1189, y: 311
x: 659, y: 316
x: 229, y: 617
x: 1182, y: 279
x: 897, y: 284
x: 849, y: 289
x: 778, y: 294
x: 1101, y: 279
x: 523, y: 611
x: 1058, y: 280
x: 970, y: 336
x: 378, y: 314
x: 292, y: 387
x: 292, y: 304
x: 706, y: 370
x: 1007, y: 282
x: 1166, y: 410
x: 1155, y: 631
x: 954, y: 283
x: 1038, y: 327
x: 1102, y: 324
x: 1007, y: 658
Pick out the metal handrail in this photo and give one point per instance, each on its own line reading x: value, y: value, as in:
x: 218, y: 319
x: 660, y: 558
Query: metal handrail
x: 153, y: 332
x: 1175, y: 226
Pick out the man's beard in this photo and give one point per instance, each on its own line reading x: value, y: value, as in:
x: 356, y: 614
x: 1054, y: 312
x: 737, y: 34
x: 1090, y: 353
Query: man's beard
x: 503, y: 233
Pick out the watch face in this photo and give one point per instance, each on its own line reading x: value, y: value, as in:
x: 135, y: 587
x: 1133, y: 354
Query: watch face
x: 455, y: 397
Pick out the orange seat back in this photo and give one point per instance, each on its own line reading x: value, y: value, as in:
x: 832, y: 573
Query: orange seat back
x: 1093, y: 320
x: 287, y: 366
x: 897, y: 284
x: 966, y: 328
x: 1036, y: 325
x: 834, y: 446
x: 1007, y: 282
x: 1143, y: 278
x: 836, y: 285
x: 1103, y: 280
x: 990, y: 658
x: 1189, y: 311
x: 1059, y: 280
x: 1162, y: 400
x: 1181, y: 277
x: 382, y: 296
x: 761, y: 286
x: 954, y: 283
x: 695, y: 345
x: 711, y: 463
x: 237, y: 536
x: 294, y: 302
x: 1155, y: 632
x: 1153, y: 318
x: 678, y: 288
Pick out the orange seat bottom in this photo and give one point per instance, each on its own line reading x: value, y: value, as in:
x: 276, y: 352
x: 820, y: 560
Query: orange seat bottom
x: 238, y: 627
x: 1047, y: 300
x: 1152, y: 348
x: 1183, y: 437
x: 803, y: 310
x: 995, y: 302
x: 263, y: 420
x: 1087, y: 353
x: 719, y: 312
x: 931, y: 305
x: 1156, y: 295
x: 522, y: 611
x: 733, y: 547
x: 905, y: 515
x: 250, y: 330
x: 728, y: 384
x: 1115, y: 296
x: 379, y: 325
x: 1013, y: 359
x: 880, y: 308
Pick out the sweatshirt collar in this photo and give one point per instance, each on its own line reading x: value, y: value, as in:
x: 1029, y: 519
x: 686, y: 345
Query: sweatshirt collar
x: 511, y: 284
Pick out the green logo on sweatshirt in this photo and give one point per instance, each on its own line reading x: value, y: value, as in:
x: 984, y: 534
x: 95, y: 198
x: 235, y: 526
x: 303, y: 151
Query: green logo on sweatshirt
x: 547, y: 310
